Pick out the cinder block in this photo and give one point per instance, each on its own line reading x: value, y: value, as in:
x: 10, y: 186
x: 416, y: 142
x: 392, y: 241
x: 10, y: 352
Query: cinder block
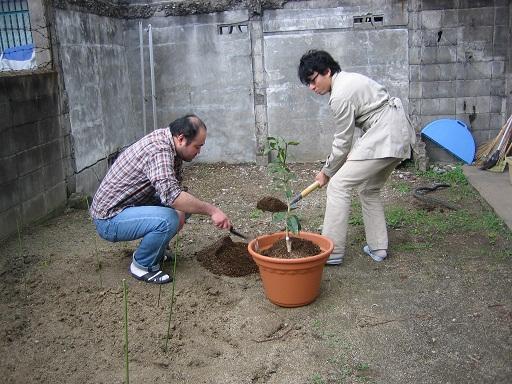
x: 473, y: 88
x: 53, y: 174
x: 498, y: 69
x: 497, y: 104
x: 429, y: 72
x: 501, y: 15
x: 438, y: 4
x: 29, y: 161
x: 415, y: 90
x: 438, y: 89
x: 477, y: 70
x: 31, y: 184
x: 51, y: 152
x: 428, y: 55
x: 446, y: 54
x: 414, y: 106
x: 9, y: 195
x: 5, y: 112
x: 7, y: 148
x: 497, y: 120
x: 416, y: 38
x: 450, y: 18
x: 8, y: 222
x: 501, y: 41
x: 55, y: 198
x: 8, y: 171
x: 49, y: 129
x: 497, y: 87
x: 431, y: 19
x: 477, y: 16
x: 448, y: 71
x: 473, y: 34
x: 33, y: 209
x: 479, y: 121
x: 447, y: 106
x: 25, y: 136
x: 415, y: 55
x: 414, y: 72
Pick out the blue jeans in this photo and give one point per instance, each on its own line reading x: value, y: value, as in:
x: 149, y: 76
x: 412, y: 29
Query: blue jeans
x: 156, y: 226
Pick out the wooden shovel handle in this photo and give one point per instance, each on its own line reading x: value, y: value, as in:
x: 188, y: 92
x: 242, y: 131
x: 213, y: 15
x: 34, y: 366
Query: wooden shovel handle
x: 310, y: 189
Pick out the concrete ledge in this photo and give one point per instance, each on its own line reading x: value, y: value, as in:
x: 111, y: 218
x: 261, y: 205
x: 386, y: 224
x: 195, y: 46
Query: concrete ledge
x: 495, y: 188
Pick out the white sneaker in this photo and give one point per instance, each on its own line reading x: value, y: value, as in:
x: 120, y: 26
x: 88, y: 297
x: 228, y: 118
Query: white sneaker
x: 334, y: 259
x: 369, y: 252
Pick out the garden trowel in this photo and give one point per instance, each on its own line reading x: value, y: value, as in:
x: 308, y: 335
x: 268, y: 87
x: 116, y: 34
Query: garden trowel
x: 304, y: 193
x: 236, y: 233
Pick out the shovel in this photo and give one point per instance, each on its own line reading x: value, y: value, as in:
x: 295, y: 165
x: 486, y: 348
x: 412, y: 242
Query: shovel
x: 236, y: 233
x: 304, y: 193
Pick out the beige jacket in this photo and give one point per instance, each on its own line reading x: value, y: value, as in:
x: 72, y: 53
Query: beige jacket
x: 358, y: 101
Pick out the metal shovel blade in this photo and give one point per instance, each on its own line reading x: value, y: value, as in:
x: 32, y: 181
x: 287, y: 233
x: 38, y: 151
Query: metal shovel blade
x: 236, y: 233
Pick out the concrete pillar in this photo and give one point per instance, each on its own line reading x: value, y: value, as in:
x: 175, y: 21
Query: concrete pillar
x: 40, y: 35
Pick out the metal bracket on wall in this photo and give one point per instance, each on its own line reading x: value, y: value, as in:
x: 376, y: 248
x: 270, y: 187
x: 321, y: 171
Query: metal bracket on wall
x: 230, y: 29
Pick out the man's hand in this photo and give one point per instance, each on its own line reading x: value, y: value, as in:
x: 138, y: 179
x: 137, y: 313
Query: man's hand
x: 322, y: 178
x: 220, y: 220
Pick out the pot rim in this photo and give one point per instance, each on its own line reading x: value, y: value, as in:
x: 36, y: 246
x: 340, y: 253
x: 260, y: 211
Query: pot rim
x: 281, y: 235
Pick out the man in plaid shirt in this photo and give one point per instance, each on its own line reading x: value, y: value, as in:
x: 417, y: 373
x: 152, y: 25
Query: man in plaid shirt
x: 141, y: 196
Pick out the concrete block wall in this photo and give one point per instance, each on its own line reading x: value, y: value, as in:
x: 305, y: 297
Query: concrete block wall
x: 35, y: 154
x: 97, y: 83
x: 459, y: 54
x: 444, y: 58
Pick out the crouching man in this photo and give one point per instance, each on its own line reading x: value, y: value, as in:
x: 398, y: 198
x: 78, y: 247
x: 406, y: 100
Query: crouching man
x: 124, y: 207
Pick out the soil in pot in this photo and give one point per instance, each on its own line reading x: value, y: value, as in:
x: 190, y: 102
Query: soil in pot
x: 226, y: 257
x: 300, y: 248
x: 271, y: 204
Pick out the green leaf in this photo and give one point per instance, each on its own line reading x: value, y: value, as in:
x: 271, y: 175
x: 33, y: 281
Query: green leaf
x: 293, y: 143
x: 278, y: 216
x: 293, y: 224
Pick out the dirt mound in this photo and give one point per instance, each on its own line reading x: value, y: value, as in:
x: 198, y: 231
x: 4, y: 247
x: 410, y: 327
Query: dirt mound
x: 225, y: 257
x: 300, y: 248
x: 271, y: 204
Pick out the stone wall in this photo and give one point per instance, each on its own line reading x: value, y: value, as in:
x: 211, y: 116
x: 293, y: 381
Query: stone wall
x: 35, y: 158
x: 459, y: 64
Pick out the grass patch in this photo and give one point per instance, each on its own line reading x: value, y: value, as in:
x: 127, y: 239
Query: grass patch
x: 401, y: 186
x: 452, y: 177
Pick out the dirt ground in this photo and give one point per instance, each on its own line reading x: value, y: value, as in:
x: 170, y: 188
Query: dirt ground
x: 438, y: 310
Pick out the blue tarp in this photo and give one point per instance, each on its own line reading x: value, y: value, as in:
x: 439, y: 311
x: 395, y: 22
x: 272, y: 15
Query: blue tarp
x: 17, y: 58
x: 454, y: 136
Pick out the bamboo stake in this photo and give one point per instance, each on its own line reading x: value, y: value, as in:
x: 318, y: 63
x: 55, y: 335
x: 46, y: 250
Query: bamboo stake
x: 176, y: 252
x: 125, y: 294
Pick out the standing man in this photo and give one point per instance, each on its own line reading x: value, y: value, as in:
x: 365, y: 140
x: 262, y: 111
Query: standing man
x: 141, y: 196
x: 357, y: 101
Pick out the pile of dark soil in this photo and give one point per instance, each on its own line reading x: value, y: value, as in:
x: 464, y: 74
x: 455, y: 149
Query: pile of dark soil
x: 225, y: 257
x: 300, y: 248
x: 271, y: 204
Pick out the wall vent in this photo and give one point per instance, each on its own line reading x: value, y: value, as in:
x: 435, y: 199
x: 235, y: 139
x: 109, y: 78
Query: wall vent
x: 369, y: 19
x: 231, y: 29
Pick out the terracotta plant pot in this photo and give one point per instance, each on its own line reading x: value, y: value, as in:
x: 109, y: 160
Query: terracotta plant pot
x: 291, y: 282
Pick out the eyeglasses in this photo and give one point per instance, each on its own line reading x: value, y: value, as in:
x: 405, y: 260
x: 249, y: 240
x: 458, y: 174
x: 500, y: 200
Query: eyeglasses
x: 312, y: 80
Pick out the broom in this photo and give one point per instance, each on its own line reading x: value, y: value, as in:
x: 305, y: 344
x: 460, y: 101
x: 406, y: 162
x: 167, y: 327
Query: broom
x: 490, y: 161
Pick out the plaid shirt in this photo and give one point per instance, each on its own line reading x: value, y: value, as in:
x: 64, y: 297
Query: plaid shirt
x: 146, y: 171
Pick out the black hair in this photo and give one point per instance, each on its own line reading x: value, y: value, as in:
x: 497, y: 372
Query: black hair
x: 316, y: 61
x: 188, y: 126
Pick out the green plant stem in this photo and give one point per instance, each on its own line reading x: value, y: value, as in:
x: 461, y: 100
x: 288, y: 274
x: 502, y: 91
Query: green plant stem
x: 125, y: 294
x: 288, y: 240
x: 176, y: 251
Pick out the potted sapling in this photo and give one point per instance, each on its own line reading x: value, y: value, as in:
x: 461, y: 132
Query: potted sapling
x: 290, y: 277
